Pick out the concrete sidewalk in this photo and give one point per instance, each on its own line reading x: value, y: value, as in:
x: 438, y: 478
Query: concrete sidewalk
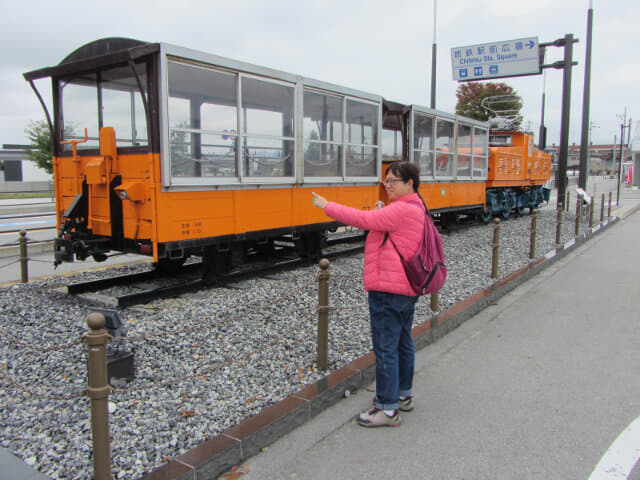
x: 536, y: 386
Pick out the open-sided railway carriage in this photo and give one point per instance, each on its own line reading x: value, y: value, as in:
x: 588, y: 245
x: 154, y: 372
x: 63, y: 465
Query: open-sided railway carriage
x: 167, y: 152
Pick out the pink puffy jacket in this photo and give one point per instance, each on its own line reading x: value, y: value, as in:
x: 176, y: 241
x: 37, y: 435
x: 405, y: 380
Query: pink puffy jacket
x: 383, y: 270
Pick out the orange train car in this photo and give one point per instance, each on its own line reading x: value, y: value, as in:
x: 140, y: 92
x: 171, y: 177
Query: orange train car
x: 168, y: 152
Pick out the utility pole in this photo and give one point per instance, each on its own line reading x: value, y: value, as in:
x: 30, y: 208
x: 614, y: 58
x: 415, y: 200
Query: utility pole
x: 623, y: 125
x: 584, y: 142
x: 433, y: 59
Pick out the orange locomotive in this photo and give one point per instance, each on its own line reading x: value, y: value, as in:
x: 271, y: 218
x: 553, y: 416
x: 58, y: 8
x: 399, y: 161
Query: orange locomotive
x: 169, y: 152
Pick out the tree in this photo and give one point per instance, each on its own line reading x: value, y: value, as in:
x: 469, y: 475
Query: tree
x: 471, y: 94
x: 40, y: 139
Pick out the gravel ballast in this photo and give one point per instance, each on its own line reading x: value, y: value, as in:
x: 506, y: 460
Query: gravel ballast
x: 207, y: 360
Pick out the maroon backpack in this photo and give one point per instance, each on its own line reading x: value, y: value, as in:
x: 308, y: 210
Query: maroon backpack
x: 426, y: 270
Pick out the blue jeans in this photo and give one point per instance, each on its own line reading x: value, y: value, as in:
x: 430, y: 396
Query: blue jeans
x: 391, y: 322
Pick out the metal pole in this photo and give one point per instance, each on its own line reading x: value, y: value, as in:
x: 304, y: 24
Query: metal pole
x: 496, y: 248
x: 433, y: 59
x: 24, y: 267
x: 602, y: 210
x: 609, y: 212
x: 98, y: 392
x: 434, y: 302
x: 578, y: 215
x: 559, y: 225
x: 584, y: 143
x: 323, y: 315
x: 591, y: 206
x: 566, y: 111
x: 621, y: 158
x: 532, y: 244
x: 542, y: 140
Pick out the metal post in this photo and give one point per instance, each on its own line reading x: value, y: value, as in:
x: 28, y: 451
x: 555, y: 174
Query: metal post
x: 602, y: 210
x: 578, y: 214
x: 591, y: 208
x: 496, y: 248
x: 98, y: 392
x: 24, y: 267
x: 323, y: 315
x: 433, y: 58
x: 584, y: 143
x: 609, y: 212
x: 568, y: 200
x: 559, y: 225
x: 563, y: 153
x: 534, y: 227
x: 434, y: 302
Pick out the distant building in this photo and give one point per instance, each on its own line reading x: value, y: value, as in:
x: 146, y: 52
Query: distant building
x: 19, y: 174
x: 603, y: 159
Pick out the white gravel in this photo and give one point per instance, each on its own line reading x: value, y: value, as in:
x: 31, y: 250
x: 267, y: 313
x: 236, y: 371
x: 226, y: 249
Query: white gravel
x: 208, y: 359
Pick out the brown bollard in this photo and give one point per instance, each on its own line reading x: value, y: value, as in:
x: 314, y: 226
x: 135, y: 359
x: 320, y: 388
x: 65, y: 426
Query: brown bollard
x: 609, y: 214
x: 559, y: 225
x: 434, y: 302
x: 98, y: 392
x: 568, y: 200
x: 591, y: 208
x: 602, y: 210
x: 578, y: 214
x: 534, y: 227
x: 24, y: 266
x: 496, y: 248
x: 323, y: 315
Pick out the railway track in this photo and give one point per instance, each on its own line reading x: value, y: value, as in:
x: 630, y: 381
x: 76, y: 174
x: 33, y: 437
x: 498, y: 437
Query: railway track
x: 142, y: 287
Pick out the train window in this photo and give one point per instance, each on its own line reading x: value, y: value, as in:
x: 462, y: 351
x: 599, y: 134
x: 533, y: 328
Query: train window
x: 322, y: 130
x: 463, y: 149
x: 203, y: 121
x: 480, y: 152
x: 361, y: 146
x: 391, y: 145
x: 122, y: 105
x: 80, y: 111
x: 423, y: 143
x: 268, y: 135
x: 445, y: 141
x: 107, y: 98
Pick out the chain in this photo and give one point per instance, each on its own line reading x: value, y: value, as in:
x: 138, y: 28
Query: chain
x: 10, y: 263
x: 30, y: 346
x: 54, y: 396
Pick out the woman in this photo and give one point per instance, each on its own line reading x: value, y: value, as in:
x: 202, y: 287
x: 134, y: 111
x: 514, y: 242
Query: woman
x: 391, y: 297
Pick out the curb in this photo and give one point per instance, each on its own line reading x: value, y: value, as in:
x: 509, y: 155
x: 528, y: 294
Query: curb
x: 218, y: 454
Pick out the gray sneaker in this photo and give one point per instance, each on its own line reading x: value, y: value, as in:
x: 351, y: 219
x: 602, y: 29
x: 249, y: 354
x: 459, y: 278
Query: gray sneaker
x: 405, y: 405
x: 377, y: 418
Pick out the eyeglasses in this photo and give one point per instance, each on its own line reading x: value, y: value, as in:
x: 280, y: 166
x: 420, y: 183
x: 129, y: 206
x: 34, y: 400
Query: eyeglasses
x: 389, y: 181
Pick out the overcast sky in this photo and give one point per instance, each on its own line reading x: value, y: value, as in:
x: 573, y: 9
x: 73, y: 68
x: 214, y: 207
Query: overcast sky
x: 381, y: 47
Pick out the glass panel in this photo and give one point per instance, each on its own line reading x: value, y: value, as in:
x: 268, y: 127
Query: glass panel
x: 221, y: 118
x: 391, y: 145
x: 479, y: 166
x: 122, y: 106
x: 361, y: 161
x: 218, y: 155
x: 182, y: 162
x: 322, y: 159
x: 362, y: 123
x: 464, y: 165
x: 464, y: 139
x: 267, y: 108
x: 444, y: 136
x: 480, y: 146
x: 80, y: 110
x: 423, y: 133
x: 179, y: 116
x: 444, y: 164
x: 425, y: 161
x: 264, y: 157
x: 322, y: 117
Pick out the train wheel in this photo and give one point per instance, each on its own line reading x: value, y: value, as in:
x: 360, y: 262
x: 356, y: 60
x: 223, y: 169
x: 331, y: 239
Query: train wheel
x: 309, y: 245
x: 485, y: 215
x: 521, y: 210
x: 170, y: 265
x: 506, y: 211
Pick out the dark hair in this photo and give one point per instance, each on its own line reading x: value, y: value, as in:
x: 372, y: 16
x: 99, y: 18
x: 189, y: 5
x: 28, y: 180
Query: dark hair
x: 406, y: 171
